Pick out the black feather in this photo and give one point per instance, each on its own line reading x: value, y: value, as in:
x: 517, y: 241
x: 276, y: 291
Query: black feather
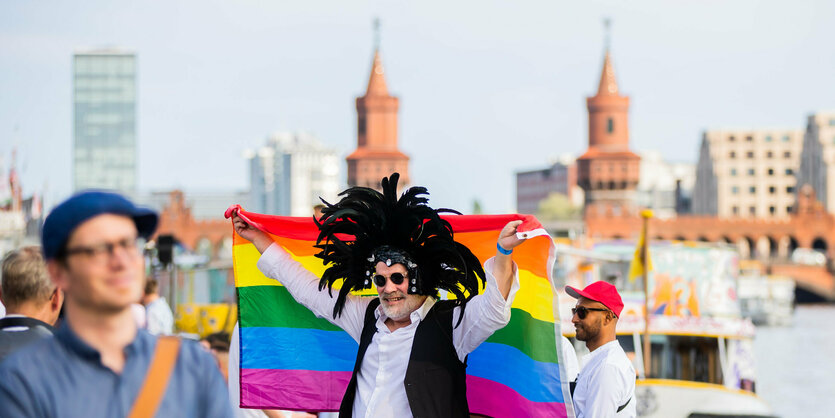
x: 365, y: 219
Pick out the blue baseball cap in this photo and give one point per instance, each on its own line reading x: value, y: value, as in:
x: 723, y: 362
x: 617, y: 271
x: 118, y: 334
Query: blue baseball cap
x: 64, y: 218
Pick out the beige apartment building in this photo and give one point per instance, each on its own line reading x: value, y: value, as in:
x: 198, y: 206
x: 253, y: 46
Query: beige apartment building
x: 747, y: 173
x: 817, y: 161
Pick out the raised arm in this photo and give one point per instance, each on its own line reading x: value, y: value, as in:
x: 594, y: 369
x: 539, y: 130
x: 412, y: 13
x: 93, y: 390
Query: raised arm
x: 303, y: 285
x: 254, y: 235
x: 503, y: 263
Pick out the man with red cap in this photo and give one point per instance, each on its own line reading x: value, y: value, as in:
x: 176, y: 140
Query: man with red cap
x: 605, y: 386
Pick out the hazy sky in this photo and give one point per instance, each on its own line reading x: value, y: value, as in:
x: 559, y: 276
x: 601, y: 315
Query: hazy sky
x: 486, y: 88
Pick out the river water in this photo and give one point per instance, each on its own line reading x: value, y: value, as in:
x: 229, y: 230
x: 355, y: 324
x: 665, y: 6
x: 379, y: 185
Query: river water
x: 796, y: 364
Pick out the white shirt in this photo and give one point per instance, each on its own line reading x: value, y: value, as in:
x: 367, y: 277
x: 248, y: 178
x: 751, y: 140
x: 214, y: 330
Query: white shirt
x: 606, y: 381
x: 569, y: 359
x: 380, y: 388
x: 160, y: 320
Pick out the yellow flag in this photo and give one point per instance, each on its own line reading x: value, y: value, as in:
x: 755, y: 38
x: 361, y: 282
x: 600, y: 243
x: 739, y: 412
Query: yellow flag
x: 637, y: 268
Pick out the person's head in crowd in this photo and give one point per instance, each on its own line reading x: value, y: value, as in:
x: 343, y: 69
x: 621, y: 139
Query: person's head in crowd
x: 596, y: 314
x: 216, y: 341
x: 91, y: 246
x: 151, y: 291
x: 218, y: 344
x: 26, y: 288
x: 317, y: 210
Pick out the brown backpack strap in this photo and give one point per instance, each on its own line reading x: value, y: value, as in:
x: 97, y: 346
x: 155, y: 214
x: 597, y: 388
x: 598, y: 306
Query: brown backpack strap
x: 156, y: 381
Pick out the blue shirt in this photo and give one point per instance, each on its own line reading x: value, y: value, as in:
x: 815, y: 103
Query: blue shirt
x: 64, y: 377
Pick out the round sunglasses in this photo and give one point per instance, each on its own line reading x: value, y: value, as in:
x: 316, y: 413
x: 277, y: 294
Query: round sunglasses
x: 582, y: 311
x: 396, y: 278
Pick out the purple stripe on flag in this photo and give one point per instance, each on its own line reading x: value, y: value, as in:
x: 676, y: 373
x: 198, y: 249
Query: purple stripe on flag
x: 293, y: 389
x: 493, y: 399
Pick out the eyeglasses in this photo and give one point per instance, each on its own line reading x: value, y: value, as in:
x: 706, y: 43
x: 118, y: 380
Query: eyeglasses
x: 396, y: 278
x: 102, y: 252
x: 582, y: 311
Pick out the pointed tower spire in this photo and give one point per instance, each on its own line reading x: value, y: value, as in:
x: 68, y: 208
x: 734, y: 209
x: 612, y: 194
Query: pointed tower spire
x: 608, y: 84
x: 612, y: 187
x: 377, y: 81
x: 377, y: 152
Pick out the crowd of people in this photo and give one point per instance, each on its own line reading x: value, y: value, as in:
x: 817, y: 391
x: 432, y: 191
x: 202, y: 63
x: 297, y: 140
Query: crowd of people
x: 99, y: 339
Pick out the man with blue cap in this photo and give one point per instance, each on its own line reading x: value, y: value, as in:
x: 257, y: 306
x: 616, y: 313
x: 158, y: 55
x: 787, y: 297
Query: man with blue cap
x: 99, y: 363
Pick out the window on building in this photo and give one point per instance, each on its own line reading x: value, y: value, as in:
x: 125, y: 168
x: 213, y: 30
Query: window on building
x: 769, y: 154
x: 768, y: 138
x: 772, y: 190
x: 749, y: 154
x: 610, y: 125
x: 789, y: 172
x: 735, y: 190
x: 831, y: 122
x: 623, y: 185
x: 789, y: 209
x: 772, y: 210
x: 735, y: 210
x: 752, y: 210
x: 731, y: 138
x: 611, y: 185
x: 752, y: 189
x: 361, y: 125
x: 770, y: 171
x: 786, y: 138
x: 732, y: 155
x: 751, y: 171
x: 749, y: 138
x: 790, y: 189
x: 787, y: 154
x: 733, y: 172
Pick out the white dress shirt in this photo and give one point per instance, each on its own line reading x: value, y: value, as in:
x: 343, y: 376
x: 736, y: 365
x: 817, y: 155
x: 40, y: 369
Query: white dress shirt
x: 158, y: 317
x: 380, y: 387
x: 569, y: 359
x: 606, y: 381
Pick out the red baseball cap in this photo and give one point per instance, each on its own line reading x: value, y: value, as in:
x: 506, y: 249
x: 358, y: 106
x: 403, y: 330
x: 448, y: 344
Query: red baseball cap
x: 602, y: 292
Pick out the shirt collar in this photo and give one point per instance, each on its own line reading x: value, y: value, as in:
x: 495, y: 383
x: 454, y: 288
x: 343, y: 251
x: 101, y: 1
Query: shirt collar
x: 72, y: 342
x: 602, y: 349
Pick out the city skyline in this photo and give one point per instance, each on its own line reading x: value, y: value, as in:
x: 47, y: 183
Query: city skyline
x: 215, y: 79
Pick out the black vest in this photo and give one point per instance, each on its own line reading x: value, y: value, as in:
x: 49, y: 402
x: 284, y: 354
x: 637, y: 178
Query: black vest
x: 436, y: 380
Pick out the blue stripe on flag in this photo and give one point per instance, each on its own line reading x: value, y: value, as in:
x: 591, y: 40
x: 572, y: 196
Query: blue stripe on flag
x: 536, y: 381
x: 297, y: 349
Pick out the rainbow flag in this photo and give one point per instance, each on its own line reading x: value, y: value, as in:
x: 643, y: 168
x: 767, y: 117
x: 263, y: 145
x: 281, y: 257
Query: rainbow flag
x: 292, y: 360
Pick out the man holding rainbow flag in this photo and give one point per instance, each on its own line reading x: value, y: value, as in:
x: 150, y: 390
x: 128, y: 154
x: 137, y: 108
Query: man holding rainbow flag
x: 413, y: 346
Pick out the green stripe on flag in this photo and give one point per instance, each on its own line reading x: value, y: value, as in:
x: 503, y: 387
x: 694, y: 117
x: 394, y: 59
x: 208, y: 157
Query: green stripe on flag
x: 272, y: 306
x: 529, y: 335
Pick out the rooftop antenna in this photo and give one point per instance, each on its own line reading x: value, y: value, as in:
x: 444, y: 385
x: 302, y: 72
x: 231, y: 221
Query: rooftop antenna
x: 376, y: 26
x: 607, y: 28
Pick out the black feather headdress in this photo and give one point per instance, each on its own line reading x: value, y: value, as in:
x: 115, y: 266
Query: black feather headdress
x: 367, y: 226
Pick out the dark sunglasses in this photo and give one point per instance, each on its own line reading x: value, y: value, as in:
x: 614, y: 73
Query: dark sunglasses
x: 582, y: 311
x: 396, y: 278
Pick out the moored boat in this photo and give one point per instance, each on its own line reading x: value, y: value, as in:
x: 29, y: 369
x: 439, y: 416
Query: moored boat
x: 701, y: 349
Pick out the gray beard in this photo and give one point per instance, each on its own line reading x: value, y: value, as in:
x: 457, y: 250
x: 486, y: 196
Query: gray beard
x: 410, y: 304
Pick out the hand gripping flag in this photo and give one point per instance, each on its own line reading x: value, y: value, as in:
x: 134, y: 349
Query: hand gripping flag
x: 292, y: 360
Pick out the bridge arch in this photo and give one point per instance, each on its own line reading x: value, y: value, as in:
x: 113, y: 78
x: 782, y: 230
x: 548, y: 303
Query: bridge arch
x: 223, y: 249
x: 744, y: 248
x: 773, y: 247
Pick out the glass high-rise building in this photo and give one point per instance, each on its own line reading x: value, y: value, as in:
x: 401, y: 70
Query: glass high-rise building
x: 104, y: 101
